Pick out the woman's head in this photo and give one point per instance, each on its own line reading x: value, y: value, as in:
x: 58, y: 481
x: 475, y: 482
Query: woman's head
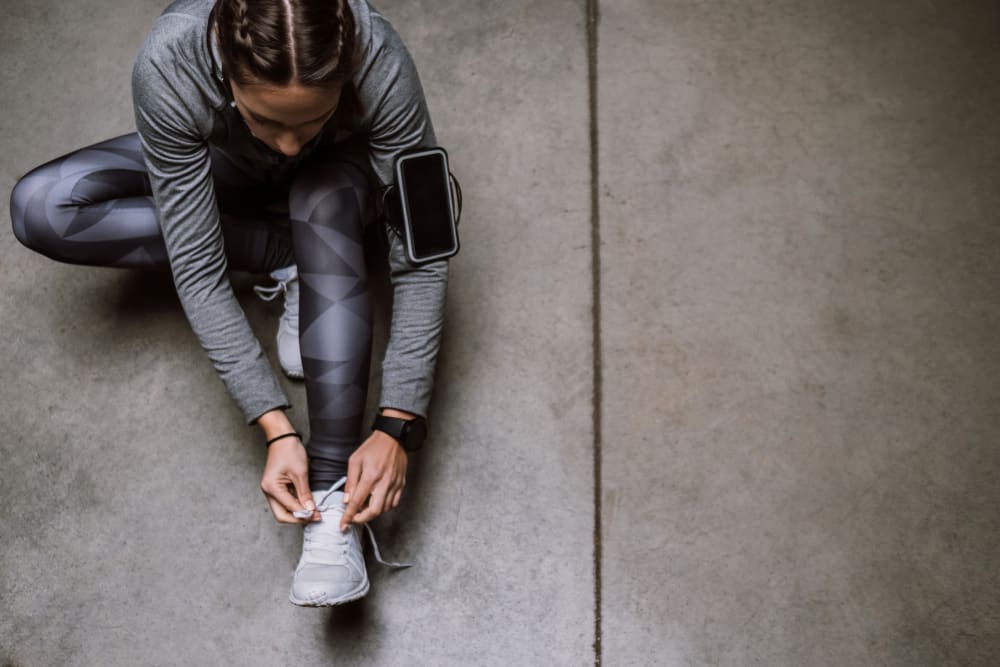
x: 288, y: 62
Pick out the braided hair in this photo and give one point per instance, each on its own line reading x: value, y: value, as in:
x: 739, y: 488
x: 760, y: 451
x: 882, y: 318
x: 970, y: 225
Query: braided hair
x: 308, y: 42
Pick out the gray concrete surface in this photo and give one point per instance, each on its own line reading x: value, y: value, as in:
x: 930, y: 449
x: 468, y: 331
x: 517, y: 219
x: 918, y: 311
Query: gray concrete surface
x: 799, y: 306
x: 801, y: 269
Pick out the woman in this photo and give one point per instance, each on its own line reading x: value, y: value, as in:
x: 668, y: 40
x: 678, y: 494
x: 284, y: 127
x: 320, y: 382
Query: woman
x: 265, y: 127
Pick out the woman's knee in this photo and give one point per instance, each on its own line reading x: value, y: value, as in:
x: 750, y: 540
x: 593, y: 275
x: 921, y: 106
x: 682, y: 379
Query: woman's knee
x: 28, y: 206
x: 333, y: 194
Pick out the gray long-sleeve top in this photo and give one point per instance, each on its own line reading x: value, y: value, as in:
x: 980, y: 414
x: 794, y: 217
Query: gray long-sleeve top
x: 182, y: 106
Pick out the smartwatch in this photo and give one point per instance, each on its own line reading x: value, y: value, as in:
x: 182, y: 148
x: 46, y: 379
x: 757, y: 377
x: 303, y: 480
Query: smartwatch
x: 409, y: 432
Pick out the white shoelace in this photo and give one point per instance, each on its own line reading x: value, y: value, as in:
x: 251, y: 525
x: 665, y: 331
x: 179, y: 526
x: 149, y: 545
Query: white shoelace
x: 321, y: 506
x: 281, y: 287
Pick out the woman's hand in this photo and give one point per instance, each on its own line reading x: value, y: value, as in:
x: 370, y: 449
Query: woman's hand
x: 376, y: 473
x: 287, y: 468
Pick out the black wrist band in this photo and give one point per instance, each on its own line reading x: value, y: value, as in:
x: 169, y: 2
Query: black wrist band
x: 286, y: 435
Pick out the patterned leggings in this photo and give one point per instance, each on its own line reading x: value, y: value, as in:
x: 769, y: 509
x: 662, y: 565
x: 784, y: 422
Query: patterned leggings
x: 95, y: 207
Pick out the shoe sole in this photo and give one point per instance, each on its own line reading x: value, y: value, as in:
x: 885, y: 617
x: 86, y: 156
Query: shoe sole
x: 356, y: 594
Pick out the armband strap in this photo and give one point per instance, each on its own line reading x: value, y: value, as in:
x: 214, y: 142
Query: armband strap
x: 293, y: 434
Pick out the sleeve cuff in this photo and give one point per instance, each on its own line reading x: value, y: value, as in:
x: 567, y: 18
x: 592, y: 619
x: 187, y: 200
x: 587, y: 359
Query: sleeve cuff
x: 256, y: 391
x: 413, y: 401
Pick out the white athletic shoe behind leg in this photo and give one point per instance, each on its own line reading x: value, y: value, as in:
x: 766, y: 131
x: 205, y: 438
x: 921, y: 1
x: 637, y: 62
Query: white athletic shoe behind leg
x: 289, y: 355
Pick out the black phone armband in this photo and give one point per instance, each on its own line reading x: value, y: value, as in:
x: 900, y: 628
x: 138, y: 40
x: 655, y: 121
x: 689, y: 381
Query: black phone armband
x: 425, y: 204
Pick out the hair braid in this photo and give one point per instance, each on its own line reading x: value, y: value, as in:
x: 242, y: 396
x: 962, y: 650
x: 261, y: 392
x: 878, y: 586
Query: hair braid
x: 241, y: 14
x: 342, y: 24
x: 310, y: 42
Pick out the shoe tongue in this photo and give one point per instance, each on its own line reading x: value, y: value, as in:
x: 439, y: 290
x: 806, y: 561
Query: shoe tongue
x: 326, y: 495
x: 329, y: 500
x: 332, y: 554
x: 326, y: 541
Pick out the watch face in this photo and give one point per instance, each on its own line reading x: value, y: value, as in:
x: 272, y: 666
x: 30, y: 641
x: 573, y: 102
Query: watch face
x: 417, y: 433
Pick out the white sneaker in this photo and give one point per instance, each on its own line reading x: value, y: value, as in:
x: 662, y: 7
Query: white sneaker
x: 289, y: 355
x: 332, y: 570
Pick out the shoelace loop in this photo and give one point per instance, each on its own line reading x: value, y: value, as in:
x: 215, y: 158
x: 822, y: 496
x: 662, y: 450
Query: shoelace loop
x: 272, y: 292
x: 282, y: 287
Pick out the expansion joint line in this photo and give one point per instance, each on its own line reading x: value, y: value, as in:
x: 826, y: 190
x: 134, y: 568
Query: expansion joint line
x: 595, y: 261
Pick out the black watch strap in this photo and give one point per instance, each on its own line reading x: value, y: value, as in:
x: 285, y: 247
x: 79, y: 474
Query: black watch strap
x: 409, y: 432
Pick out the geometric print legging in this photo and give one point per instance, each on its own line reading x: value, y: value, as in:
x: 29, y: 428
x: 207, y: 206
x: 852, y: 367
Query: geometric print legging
x: 95, y: 207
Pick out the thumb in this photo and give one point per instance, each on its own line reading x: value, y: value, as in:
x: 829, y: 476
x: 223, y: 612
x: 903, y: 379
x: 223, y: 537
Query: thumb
x: 303, y: 493
x: 353, y: 477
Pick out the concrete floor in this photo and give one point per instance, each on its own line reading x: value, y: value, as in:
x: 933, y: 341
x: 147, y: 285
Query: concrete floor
x: 799, y: 300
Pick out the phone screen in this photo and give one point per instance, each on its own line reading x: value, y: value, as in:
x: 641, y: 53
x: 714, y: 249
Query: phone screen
x: 428, y: 203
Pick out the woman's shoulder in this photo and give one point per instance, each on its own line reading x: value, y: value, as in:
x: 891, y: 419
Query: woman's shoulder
x: 374, y: 34
x: 175, y: 67
x: 180, y: 30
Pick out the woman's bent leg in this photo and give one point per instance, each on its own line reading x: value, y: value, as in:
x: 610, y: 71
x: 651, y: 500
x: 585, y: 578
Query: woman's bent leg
x: 327, y: 205
x: 95, y: 207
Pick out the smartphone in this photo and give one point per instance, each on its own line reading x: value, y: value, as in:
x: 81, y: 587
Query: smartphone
x: 426, y: 204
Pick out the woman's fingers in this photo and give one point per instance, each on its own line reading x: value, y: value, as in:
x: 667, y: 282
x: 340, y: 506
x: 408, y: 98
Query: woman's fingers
x: 283, y: 504
x: 394, y: 494
x: 375, y: 504
x: 357, y: 498
x: 375, y: 473
x: 281, y: 515
x: 279, y: 493
x: 287, y: 466
x: 304, y: 495
x: 353, y: 478
x: 385, y: 497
